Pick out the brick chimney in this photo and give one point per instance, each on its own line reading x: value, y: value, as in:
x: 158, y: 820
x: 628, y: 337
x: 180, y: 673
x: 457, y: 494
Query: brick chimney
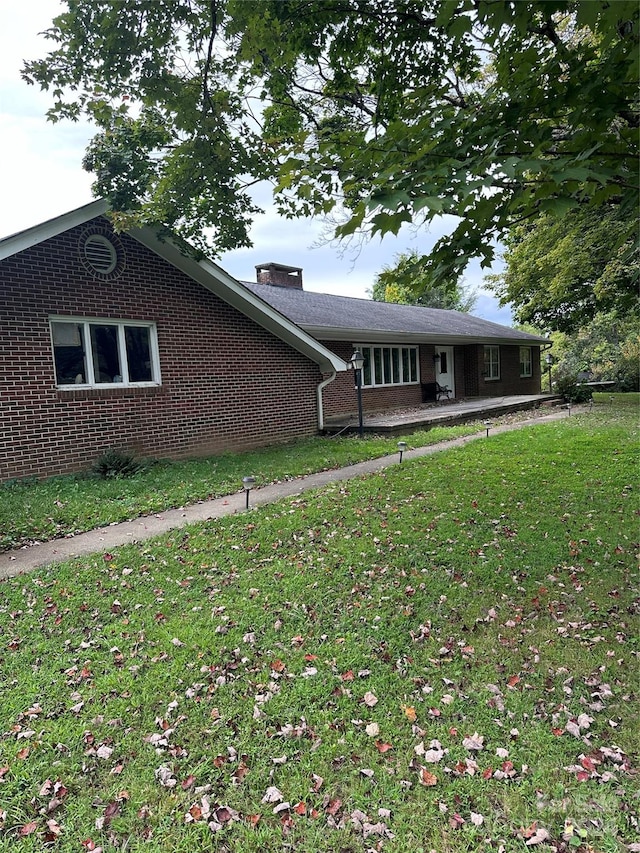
x: 279, y: 275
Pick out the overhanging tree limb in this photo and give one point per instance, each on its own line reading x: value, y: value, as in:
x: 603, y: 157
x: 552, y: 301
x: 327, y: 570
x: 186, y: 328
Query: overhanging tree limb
x: 395, y: 111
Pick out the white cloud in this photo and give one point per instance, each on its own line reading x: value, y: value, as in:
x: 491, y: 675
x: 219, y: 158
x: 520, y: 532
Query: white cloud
x: 42, y: 177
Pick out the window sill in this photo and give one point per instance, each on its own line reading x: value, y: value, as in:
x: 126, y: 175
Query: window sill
x: 391, y: 385
x: 86, y: 392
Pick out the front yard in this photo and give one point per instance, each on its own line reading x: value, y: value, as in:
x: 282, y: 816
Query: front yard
x: 443, y: 656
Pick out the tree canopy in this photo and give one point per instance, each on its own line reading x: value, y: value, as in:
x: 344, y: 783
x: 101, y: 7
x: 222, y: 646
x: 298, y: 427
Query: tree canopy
x: 378, y: 112
x: 408, y: 282
x: 607, y: 348
x: 562, y: 273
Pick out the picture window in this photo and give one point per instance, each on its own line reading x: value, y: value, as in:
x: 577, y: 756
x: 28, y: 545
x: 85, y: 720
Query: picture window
x: 98, y: 353
x: 389, y: 366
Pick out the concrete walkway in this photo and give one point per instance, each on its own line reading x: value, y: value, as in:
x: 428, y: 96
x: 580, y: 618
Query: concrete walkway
x: 106, y: 538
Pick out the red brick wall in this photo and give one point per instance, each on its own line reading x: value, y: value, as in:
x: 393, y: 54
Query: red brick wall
x: 340, y: 396
x: 510, y: 381
x: 226, y: 382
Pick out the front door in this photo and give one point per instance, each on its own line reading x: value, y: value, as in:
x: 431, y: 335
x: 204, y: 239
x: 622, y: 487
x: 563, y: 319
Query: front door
x: 444, y: 368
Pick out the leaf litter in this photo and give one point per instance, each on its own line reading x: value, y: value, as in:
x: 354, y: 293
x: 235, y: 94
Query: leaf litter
x: 478, y: 673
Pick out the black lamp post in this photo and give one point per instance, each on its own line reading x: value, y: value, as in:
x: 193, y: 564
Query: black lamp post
x: 549, y: 359
x: 402, y: 446
x: 357, y: 362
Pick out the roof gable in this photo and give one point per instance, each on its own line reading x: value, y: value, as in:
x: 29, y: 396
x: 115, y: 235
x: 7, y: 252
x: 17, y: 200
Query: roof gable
x: 205, y: 272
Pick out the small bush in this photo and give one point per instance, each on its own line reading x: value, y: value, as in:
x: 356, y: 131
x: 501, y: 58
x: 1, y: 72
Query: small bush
x: 115, y: 464
x: 573, y: 391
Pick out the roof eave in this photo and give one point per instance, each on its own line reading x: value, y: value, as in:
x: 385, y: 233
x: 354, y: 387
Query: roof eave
x: 23, y: 240
x: 374, y: 336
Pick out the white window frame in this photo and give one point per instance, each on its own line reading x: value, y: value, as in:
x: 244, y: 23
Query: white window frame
x: 90, y: 380
x: 391, y: 360
x: 526, y: 363
x: 491, y: 362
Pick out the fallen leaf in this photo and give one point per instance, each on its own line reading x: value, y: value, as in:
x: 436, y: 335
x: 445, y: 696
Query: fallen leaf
x: 318, y: 782
x: 474, y: 743
x: 538, y: 837
x: 272, y: 795
x: 333, y: 806
x: 427, y: 778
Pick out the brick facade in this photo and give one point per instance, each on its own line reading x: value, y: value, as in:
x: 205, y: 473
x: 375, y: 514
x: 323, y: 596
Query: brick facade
x: 226, y: 383
x: 340, y: 396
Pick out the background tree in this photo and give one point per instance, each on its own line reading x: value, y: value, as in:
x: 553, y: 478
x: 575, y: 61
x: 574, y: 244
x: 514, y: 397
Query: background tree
x: 607, y: 349
x: 560, y: 274
x: 408, y: 282
x: 492, y: 111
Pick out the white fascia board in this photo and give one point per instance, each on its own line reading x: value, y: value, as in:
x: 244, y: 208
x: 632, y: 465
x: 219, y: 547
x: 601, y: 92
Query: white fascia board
x: 51, y: 228
x: 215, y: 279
x: 375, y: 336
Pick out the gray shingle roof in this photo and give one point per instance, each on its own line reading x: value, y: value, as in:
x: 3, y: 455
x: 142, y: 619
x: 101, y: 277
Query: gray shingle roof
x: 331, y: 317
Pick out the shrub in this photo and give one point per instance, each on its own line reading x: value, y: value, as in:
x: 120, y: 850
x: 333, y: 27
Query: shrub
x: 115, y: 464
x: 573, y: 391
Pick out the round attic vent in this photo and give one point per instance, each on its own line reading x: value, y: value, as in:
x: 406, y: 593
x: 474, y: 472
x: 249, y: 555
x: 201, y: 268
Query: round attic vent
x: 101, y: 253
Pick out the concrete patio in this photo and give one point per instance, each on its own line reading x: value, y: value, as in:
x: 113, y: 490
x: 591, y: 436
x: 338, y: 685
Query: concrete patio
x: 445, y: 412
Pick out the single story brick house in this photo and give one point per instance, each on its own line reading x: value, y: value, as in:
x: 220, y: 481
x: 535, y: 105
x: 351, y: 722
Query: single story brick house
x: 129, y: 341
x: 408, y: 350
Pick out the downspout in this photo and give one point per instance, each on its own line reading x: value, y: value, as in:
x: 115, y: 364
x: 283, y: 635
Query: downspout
x: 319, y: 390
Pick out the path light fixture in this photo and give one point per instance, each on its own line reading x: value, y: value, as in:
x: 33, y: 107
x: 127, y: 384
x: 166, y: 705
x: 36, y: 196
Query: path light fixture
x: 357, y: 363
x: 402, y: 446
x: 569, y: 407
x: 487, y: 426
x: 247, y: 484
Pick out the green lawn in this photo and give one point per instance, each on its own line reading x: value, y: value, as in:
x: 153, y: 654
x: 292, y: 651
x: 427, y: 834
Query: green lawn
x: 59, y: 506
x: 442, y: 656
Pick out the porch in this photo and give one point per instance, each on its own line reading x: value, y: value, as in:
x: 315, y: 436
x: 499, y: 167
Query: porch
x: 445, y: 412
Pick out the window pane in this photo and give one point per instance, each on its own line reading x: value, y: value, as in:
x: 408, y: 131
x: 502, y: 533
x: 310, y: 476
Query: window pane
x: 366, y: 370
x: 68, y: 353
x: 443, y: 363
x: 413, y: 363
x: 138, y: 353
x: 104, y: 346
x: 395, y: 363
x: 492, y: 362
x: 386, y: 360
x: 525, y: 361
x: 377, y: 365
x: 405, y: 365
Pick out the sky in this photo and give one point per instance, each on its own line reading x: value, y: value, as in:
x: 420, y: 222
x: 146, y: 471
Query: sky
x: 41, y: 177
